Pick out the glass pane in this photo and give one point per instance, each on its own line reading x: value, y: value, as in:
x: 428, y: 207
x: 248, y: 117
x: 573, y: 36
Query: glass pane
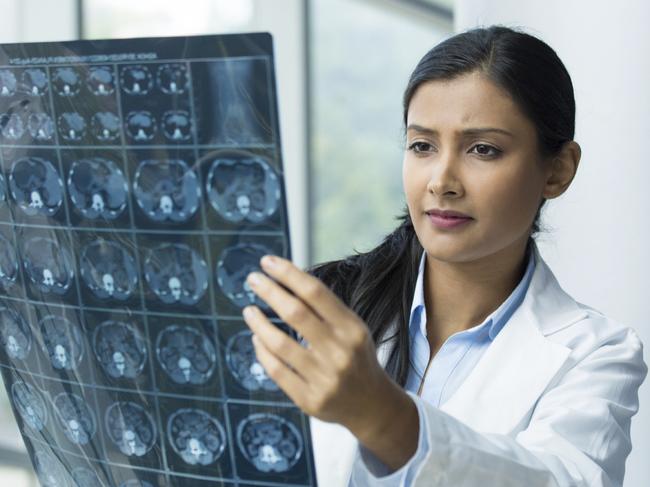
x: 362, y: 56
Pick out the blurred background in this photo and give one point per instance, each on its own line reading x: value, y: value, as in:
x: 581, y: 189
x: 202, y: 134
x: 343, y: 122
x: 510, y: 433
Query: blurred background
x: 341, y: 67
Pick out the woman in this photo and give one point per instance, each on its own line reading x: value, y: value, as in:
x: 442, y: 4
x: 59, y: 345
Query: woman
x: 450, y: 352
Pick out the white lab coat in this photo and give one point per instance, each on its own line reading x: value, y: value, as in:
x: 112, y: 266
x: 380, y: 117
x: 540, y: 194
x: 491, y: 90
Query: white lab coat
x: 548, y: 404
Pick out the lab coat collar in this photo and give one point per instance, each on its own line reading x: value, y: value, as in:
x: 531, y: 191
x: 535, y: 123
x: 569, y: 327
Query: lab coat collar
x: 520, y: 362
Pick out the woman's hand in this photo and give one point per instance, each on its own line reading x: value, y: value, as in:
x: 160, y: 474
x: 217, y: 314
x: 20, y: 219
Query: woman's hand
x: 337, y: 376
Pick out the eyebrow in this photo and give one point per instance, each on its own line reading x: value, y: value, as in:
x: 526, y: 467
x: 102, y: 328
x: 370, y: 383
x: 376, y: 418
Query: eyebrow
x: 469, y: 131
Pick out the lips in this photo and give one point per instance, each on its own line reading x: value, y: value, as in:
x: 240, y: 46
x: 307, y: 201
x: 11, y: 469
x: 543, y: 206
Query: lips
x: 450, y: 214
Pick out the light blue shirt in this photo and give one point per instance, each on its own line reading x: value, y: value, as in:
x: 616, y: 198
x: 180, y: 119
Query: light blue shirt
x: 448, y: 369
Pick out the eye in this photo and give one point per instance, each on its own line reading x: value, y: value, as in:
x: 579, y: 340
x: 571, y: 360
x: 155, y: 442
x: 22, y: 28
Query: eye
x: 420, y: 147
x: 484, y: 150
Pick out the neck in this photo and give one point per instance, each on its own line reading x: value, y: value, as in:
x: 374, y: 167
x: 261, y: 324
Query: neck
x: 460, y: 295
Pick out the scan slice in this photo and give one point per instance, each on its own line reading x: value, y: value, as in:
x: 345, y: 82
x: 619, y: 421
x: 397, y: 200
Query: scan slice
x: 12, y: 125
x: 105, y: 126
x: 108, y: 270
x: 120, y: 349
x: 48, y: 266
x: 36, y: 186
x: 75, y: 417
x: 269, y: 442
x: 167, y: 190
x: 97, y: 188
x: 243, y: 189
x: 66, y: 81
x: 7, y: 83
x: 141, y: 126
x: 130, y: 428
x: 34, y: 81
x: 197, y: 437
x: 176, y: 274
x: 172, y: 78
x: 235, y: 263
x: 84, y: 477
x: 49, y: 470
x: 100, y: 80
x: 177, y: 125
x: 40, y: 126
x: 136, y: 80
x: 62, y: 342
x: 8, y: 263
x: 186, y: 354
x: 30, y: 405
x: 244, y: 366
x: 15, y: 334
x: 72, y: 126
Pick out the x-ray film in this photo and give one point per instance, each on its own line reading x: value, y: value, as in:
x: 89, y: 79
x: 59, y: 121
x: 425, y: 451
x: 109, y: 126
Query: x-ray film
x: 141, y: 182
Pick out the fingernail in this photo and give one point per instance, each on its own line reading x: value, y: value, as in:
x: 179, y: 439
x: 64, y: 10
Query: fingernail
x: 269, y: 261
x: 254, y: 278
x: 248, y: 312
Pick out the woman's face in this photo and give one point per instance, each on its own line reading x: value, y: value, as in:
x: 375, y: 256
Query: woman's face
x: 496, y: 177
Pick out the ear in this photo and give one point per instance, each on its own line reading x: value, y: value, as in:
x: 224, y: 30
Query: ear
x: 562, y: 169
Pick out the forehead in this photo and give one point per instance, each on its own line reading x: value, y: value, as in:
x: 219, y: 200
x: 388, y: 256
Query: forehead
x: 470, y: 100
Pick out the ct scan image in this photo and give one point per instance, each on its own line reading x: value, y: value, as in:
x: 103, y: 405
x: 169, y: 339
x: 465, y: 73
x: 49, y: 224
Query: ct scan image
x: 141, y: 181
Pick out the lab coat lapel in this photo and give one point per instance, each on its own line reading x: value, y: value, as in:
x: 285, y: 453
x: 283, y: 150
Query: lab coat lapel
x: 521, y: 361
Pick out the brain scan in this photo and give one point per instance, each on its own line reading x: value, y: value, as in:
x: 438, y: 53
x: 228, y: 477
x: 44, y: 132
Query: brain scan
x: 235, y: 263
x: 244, y: 189
x: 244, y: 366
x: 97, y: 188
x: 8, y: 263
x: 269, y: 442
x: 130, y: 428
x: 30, y: 405
x: 49, y: 470
x: 72, y: 126
x: 40, y: 126
x: 197, y: 437
x: 15, y: 334
x: 120, y: 349
x: 177, y: 125
x: 7, y: 83
x: 66, y: 81
x: 48, y: 266
x: 176, y: 274
x: 186, y: 355
x: 105, y: 126
x: 100, y: 80
x: 36, y: 186
x: 75, y: 417
x: 167, y: 190
x: 141, y: 126
x: 35, y: 81
x: 108, y: 270
x: 62, y: 342
x: 12, y: 125
x: 172, y: 78
x: 136, y: 80
x: 84, y: 477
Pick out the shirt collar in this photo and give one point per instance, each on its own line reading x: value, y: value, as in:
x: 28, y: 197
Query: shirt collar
x: 496, y: 319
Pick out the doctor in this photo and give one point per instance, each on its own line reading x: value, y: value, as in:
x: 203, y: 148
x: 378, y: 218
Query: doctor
x: 449, y: 355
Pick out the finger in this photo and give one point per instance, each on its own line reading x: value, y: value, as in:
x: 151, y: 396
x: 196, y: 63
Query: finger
x: 279, y: 343
x: 289, y: 308
x: 289, y: 381
x: 309, y: 288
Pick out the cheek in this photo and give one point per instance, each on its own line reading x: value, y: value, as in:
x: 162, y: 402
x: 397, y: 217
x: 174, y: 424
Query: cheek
x: 514, y: 197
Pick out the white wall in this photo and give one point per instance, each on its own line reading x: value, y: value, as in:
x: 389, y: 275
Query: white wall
x: 37, y: 20
x: 599, y: 245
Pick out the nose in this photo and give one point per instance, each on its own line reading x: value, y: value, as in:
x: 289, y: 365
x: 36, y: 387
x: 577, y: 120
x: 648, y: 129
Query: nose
x: 444, y: 180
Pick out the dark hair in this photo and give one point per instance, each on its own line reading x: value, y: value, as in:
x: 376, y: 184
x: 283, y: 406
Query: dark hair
x: 378, y: 285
